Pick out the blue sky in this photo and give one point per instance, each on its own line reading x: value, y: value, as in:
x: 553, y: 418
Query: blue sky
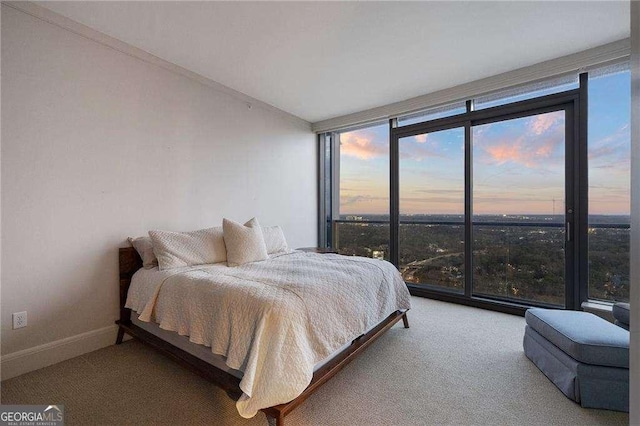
x: 518, y: 164
x: 610, y: 144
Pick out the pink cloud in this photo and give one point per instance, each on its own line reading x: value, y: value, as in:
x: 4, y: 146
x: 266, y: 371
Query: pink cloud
x: 361, y: 145
x: 421, y: 138
x: 506, y: 152
x: 545, y: 150
x: 534, y: 144
x: 543, y: 122
x: 522, y: 151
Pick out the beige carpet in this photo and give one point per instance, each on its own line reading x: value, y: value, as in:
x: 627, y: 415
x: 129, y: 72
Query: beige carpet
x: 455, y: 365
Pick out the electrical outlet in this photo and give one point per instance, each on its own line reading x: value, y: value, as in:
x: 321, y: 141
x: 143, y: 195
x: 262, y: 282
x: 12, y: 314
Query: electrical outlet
x: 19, y: 319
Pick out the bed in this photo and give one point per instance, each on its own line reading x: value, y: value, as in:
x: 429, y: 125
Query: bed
x: 269, y: 333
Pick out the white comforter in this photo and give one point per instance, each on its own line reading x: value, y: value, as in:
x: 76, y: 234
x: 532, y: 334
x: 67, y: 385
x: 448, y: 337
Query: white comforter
x: 272, y: 320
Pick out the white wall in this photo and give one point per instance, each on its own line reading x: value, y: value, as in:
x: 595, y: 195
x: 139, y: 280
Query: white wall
x: 98, y: 145
x: 634, y: 418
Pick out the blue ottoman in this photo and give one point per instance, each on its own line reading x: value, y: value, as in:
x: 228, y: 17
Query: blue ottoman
x: 585, y: 356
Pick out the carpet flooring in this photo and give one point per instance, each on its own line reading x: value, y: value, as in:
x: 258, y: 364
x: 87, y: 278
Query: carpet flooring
x: 456, y: 365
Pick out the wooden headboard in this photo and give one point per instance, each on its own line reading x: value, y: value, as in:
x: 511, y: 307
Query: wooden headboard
x: 130, y: 262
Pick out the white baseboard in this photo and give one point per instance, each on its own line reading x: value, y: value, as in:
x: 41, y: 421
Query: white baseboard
x: 24, y: 361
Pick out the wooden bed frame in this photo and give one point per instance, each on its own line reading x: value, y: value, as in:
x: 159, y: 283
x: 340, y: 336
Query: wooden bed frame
x: 130, y: 262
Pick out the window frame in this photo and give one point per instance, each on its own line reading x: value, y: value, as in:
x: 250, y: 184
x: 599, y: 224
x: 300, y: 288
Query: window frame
x: 601, y: 71
x: 568, y: 101
x: 575, y: 103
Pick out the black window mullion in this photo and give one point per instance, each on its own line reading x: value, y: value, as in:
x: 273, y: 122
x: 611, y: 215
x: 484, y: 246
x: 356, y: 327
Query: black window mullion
x: 468, y: 209
x: 330, y: 171
x: 394, y: 194
x: 323, y: 235
x: 582, y: 195
x: 571, y: 230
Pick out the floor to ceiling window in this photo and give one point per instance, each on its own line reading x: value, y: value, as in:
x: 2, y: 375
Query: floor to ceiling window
x: 502, y: 200
x: 361, y: 220
x: 609, y: 151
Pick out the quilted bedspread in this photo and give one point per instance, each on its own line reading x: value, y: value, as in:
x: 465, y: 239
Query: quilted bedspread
x: 273, y: 320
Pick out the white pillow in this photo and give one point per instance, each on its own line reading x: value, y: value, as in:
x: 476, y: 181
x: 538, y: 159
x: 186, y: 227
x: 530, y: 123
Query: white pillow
x: 144, y: 247
x: 245, y: 243
x: 274, y: 240
x: 175, y: 249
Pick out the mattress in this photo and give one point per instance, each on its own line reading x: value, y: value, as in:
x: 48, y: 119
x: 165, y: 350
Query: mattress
x: 199, y: 351
x: 203, y: 352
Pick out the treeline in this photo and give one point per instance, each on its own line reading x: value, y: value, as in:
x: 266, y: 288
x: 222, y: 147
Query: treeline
x: 520, y: 262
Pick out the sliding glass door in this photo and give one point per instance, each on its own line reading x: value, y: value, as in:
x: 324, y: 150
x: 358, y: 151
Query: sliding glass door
x: 482, y: 203
x: 519, y: 200
x: 431, y: 209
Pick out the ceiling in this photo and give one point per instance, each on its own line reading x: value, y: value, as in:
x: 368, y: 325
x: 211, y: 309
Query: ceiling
x: 319, y: 60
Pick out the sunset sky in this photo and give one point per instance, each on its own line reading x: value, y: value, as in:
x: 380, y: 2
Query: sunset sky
x: 518, y: 164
